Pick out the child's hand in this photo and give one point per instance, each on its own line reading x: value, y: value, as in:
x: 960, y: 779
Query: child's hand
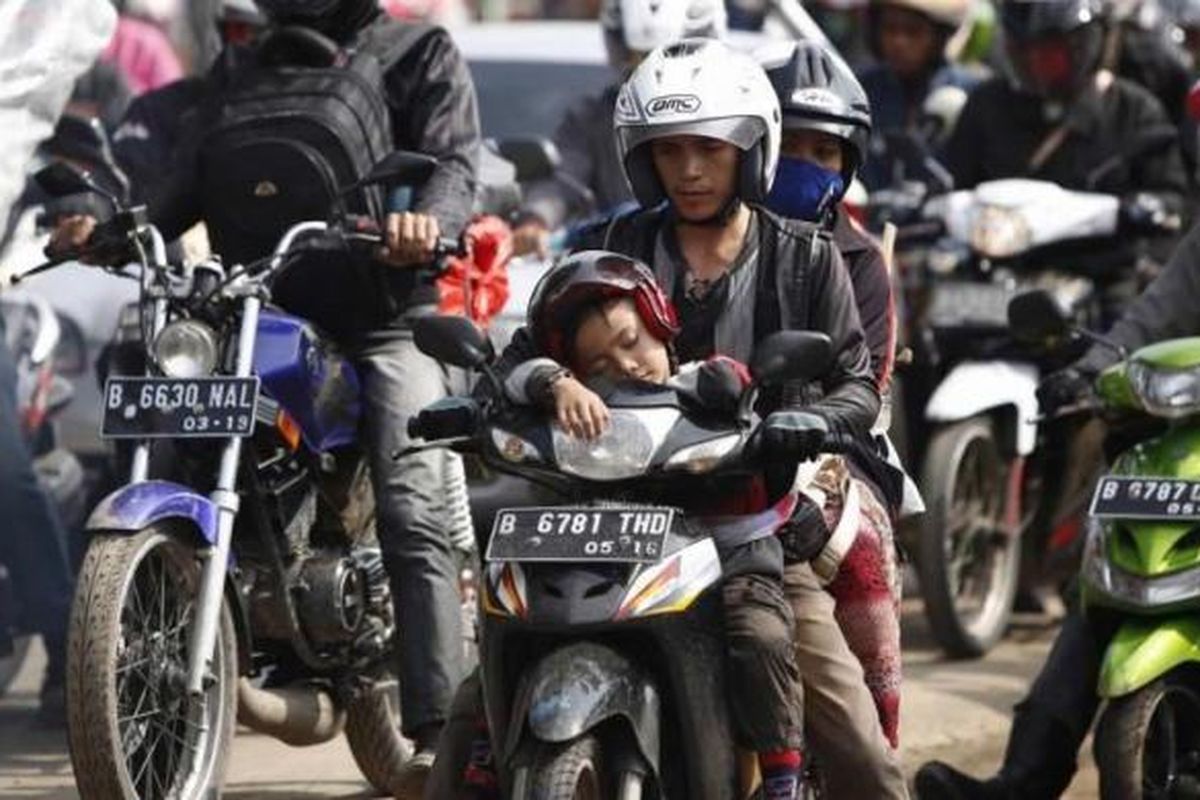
x: 579, y: 410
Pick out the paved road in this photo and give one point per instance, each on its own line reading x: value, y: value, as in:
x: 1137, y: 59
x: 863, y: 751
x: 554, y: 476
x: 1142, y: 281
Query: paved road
x: 952, y: 710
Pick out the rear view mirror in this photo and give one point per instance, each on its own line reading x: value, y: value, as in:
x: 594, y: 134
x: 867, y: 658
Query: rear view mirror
x: 456, y: 341
x: 535, y: 158
x: 398, y: 168
x: 61, y: 179
x: 791, y: 355
x: 1036, y: 318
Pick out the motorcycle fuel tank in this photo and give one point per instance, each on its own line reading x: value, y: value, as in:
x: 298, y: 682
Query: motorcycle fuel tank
x: 309, y: 379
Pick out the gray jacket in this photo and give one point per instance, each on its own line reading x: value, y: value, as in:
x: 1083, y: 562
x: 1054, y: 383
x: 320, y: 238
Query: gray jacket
x: 1169, y: 308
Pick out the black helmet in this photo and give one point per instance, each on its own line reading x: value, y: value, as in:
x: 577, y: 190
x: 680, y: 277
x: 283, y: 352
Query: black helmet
x: 818, y: 91
x: 584, y: 278
x: 1054, y: 46
x: 290, y: 10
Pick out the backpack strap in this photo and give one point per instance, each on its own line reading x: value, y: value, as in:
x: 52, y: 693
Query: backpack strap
x: 389, y: 40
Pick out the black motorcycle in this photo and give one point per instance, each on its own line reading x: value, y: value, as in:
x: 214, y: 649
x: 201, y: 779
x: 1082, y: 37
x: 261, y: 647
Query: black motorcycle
x: 601, y: 642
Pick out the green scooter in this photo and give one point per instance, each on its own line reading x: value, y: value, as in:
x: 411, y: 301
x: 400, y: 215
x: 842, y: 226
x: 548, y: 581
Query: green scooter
x: 1141, y: 562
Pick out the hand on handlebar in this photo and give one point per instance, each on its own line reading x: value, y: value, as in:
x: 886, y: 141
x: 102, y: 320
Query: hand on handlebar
x: 792, y: 436
x: 1065, y: 388
x: 410, y: 240
x: 71, y: 234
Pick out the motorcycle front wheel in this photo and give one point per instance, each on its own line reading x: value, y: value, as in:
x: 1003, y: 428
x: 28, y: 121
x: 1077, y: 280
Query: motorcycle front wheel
x: 1148, y: 743
x: 570, y: 771
x: 133, y: 730
x: 967, y: 561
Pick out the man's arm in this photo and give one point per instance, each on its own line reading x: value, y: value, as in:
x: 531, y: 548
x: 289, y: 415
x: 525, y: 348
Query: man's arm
x: 432, y: 100
x: 1169, y: 307
x: 851, y: 401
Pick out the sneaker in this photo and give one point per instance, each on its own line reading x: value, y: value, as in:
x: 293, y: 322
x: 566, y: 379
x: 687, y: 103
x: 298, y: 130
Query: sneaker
x: 411, y: 783
x: 52, y: 710
x: 939, y: 781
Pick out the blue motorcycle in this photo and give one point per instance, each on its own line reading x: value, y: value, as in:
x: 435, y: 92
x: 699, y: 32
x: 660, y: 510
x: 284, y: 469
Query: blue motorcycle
x: 250, y: 584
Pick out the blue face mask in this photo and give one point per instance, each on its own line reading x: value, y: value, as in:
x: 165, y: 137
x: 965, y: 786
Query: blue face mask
x: 804, y: 190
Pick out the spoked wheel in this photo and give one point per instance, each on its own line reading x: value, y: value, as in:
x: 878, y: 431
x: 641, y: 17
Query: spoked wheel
x: 133, y: 729
x: 571, y: 771
x: 968, y: 562
x: 1148, y: 744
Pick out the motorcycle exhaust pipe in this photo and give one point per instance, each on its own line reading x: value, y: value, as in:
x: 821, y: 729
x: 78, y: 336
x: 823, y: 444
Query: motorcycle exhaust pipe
x: 296, y: 716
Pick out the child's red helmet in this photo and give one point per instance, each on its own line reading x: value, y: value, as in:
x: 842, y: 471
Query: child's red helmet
x: 584, y: 278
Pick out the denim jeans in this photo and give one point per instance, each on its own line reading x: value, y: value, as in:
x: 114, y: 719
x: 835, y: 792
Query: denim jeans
x: 413, y: 525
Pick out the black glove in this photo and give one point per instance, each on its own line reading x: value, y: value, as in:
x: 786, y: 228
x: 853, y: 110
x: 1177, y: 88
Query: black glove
x: 792, y: 435
x: 1066, y: 387
x: 1146, y: 213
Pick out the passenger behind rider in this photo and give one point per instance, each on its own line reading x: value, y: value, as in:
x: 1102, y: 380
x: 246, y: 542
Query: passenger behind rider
x: 911, y: 40
x: 589, y: 179
x: 1059, y: 116
x: 736, y: 273
x: 826, y: 125
x: 1051, y: 722
x: 432, y: 101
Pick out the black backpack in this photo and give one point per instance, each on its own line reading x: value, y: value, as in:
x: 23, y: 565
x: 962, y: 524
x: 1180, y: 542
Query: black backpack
x: 296, y: 119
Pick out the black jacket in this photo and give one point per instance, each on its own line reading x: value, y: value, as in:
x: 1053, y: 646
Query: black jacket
x: 1001, y: 128
x: 872, y: 293
x: 1169, y: 308
x: 821, y: 299
x: 588, y: 149
x: 432, y: 103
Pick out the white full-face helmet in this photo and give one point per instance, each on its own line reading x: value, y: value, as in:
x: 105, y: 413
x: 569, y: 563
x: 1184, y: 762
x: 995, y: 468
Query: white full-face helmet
x: 698, y: 87
x: 639, y: 26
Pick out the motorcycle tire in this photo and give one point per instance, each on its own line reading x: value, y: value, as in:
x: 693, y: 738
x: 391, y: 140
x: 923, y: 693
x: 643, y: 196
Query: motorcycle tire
x: 570, y: 771
x: 11, y: 664
x: 945, y: 483
x: 1132, y: 735
x: 373, y: 733
x: 115, y: 754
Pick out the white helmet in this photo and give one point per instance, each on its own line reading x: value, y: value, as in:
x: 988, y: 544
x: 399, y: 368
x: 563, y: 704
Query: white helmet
x: 639, y: 26
x: 698, y: 87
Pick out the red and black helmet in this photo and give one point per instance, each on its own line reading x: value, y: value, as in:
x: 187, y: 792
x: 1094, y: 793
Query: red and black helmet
x: 585, y: 278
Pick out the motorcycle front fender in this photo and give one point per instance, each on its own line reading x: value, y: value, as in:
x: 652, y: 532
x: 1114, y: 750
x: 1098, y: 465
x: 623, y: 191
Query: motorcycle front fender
x: 137, y: 506
x: 1145, y: 650
x: 576, y: 688
x: 978, y: 387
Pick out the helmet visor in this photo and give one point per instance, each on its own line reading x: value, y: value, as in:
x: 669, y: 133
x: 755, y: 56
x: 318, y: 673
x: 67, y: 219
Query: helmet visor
x: 741, y: 132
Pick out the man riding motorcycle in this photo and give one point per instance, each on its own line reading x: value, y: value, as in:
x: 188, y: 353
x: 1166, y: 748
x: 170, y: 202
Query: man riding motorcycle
x: 736, y: 272
x: 1058, y: 116
x: 432, y: 102
x: 909, y: 39
x: 632, y: 28
x: 1050, y: 724
x: 826, y: 125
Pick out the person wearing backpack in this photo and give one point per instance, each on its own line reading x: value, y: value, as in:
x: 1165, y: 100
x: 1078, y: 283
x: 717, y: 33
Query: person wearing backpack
x: 255, y: 165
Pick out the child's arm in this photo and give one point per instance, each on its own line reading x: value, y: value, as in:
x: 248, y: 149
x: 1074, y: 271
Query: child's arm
x: 544, y: 382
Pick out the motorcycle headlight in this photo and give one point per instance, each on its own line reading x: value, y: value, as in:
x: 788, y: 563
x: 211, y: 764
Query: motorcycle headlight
x: 703, y: 457
x: 999, y: 232
x: 186, y: 349
x: 1166, y: 392
x: 624, y: 450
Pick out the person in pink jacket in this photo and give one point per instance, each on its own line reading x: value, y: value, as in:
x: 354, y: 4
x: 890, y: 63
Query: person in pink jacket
x: 144, y: 54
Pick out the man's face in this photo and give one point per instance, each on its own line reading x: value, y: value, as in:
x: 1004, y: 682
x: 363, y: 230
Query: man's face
x: 1047, y: 65
x: 908, y: 41
x: 822, y: 149
x: 699, y: 174
x: 612, y: 342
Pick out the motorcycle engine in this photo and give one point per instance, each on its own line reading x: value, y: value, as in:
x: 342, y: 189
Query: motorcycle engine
x: 345, y: 600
